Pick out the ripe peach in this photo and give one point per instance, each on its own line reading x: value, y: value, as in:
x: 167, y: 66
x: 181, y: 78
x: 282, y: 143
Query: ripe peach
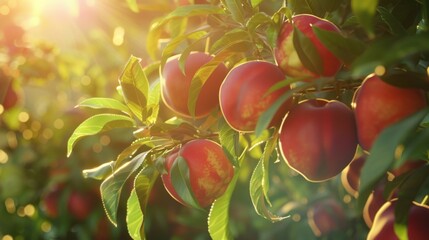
x: 244, y: 94
x: 383, y: 227
x: 350, y: 176
x: 175, y: 86
x: 318, y: 138
x: 287, y: 56
x: 80, y: 204
x: 373, y: 204
x: 50, y: 201
x: 210, y: 171
x: 326, y: 216
x: 407, y: 167
x: 8, y: 96
x: 377, y: 105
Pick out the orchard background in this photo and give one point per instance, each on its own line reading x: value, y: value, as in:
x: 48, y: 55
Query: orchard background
x: 98, y: 121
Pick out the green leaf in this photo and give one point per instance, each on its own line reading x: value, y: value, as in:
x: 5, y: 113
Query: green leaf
x: 235, y: 7
x: 307, y: 52
x: 111, y: 187
x: 181, y: 183
x: 132, y: 4
x: 384, y: 153
x: 105, y: 103
x: 218, y: 219
x: 152, y: 107
x: 152, y: 39
x: 266, y: 117
x: 257, y: 194
x: 230, y: 38
x: 364, y: 10
x: 137, y: 202
x: 392, y: 22
x: 269, y: 154
x: 176, y: 41
x: 135, y: 217
x: 257, y: 20
x: 229, y: 139
x: 189, y: 11
x: 409, y: 189
x: 100, y: 172
x: 389, y: 51
x: 416, y: 147
x: 255, y: 3
x: 414, y: 79
x: 97, y: 124
x: 346, y: 49
x: 197, y: 84
x: 135, y: 87
x: 207, y: 69
x: 191, y: 47
x: 129, y: 151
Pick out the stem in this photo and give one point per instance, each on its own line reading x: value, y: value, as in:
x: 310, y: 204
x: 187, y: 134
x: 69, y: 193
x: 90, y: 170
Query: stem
x: 337, y: 86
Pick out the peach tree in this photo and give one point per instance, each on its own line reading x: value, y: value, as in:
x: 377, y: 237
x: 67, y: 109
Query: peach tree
x: 276, y: 96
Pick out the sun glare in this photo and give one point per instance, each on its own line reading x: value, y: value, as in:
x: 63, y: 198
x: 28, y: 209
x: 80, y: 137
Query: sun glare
x: 42, y: 7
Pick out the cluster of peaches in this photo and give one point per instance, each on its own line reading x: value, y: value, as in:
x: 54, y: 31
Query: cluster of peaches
x: 318, y: 138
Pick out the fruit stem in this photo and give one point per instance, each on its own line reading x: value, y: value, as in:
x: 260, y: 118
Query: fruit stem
x: 336, y: 86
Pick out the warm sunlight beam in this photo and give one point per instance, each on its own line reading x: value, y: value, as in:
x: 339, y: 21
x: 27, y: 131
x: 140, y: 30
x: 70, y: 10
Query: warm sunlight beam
x: 42, y: 7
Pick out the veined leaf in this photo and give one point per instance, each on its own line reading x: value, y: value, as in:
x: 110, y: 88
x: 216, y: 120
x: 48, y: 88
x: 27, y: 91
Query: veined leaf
x: 307, y: 52
x: 97, y: 124
x: 105, y: 103
x: 364, y: 10
x: 129, y: 151
x: 269, y: 154
x: 175, y: 42
x: 137, y: 202
x: 394, y: 25
x: 135, y: 87
x: 207, y: 69
x: 192, y: 46
x: 100, y: 172
x: 230, y: 38
x: 198, y: 81
x: 385, y: 149
x: 180, y: 179
x: 189, y: 11
x: 257, y: 20
x: 111, y: 187
x: 257, y: 194
x: 346, y: 49
x: 135, y: 217
x: 218, y: 220
x: 235, y: 7
x: 156, y: 27
x: 152, y: 107
x: 229, y: 139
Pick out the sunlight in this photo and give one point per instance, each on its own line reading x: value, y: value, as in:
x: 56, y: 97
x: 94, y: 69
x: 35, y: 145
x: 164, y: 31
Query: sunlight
x: 70, y: 7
